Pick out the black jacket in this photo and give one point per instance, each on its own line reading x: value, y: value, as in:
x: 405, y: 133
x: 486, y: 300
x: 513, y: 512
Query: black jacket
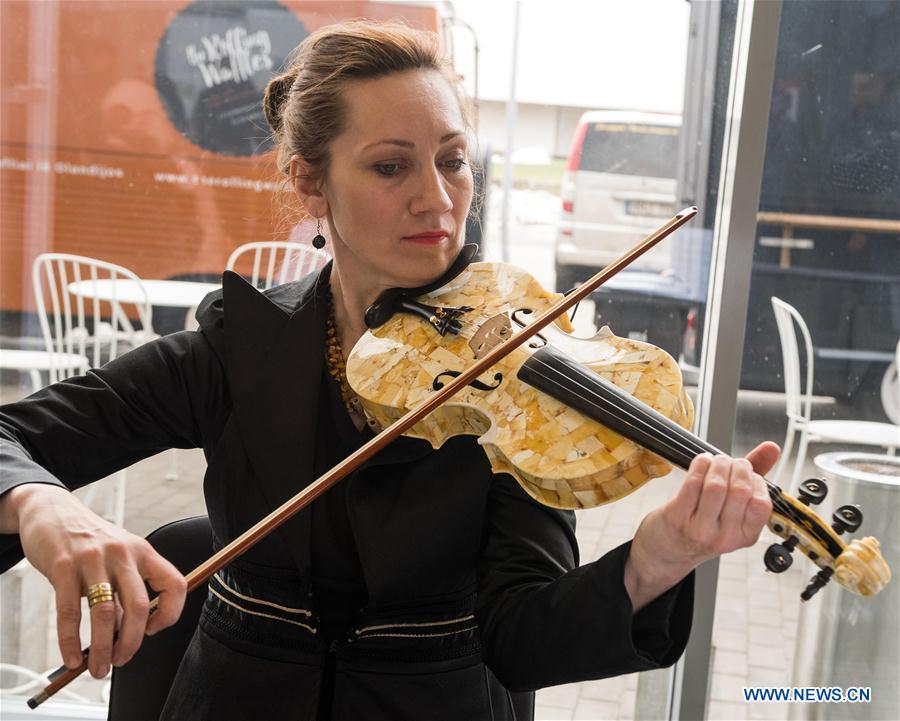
x: 474, y: 588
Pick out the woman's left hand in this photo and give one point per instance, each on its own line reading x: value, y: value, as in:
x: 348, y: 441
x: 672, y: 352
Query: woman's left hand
x: 722, y: 505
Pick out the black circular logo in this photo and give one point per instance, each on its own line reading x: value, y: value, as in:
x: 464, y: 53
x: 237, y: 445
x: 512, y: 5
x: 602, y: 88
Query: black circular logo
x: 212, y: 66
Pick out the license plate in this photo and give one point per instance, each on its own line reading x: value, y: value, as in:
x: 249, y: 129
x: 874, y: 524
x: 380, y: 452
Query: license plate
x: 648, y: 209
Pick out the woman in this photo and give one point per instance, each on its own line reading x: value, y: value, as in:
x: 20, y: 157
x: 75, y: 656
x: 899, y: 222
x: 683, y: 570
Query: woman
x: 423, y: 586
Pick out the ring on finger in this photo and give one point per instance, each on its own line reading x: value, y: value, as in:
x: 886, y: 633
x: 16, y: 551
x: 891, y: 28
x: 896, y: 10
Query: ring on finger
x: 99, y: 593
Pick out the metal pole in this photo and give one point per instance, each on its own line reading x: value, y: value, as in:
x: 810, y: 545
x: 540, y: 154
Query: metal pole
x: 747, y: 114
x: 510, y: 128
x: 459, y: 22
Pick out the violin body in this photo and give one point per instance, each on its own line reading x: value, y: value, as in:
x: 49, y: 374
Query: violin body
x: 558, y: 455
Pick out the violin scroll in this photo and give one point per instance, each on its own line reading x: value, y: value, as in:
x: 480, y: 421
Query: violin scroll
x: 861, y: 568
x: 858, y: 566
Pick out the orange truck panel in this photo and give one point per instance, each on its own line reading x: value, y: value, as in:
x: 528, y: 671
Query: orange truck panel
x: 132, y: 131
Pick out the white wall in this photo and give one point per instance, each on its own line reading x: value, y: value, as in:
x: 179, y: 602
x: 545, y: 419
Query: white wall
x: 546, y: 126
x: 628, y: 54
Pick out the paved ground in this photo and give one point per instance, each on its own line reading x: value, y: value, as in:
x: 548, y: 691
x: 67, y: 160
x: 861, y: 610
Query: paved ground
x: 755, y: 625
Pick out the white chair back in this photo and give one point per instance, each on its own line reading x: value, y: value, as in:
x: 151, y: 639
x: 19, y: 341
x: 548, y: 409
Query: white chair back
x: 277, y: 262
x: 890, y: 389
x: 799, y: 403
x: 85, y: 308
x: 797, y: 398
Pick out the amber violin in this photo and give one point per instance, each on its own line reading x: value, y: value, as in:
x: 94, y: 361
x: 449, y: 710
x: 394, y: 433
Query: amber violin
x: 577, y: 422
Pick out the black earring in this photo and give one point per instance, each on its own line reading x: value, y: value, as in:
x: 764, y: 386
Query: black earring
x: 319, y: 240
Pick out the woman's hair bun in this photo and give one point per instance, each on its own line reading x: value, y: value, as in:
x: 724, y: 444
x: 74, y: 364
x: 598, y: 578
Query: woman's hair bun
x: 304, y: 104
x: 276, y: 96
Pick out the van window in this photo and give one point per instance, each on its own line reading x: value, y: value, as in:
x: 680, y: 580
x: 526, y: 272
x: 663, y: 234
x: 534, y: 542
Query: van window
x: 630, y: 149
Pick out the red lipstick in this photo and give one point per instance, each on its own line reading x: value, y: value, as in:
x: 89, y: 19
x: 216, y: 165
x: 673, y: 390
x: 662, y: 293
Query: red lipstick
x: 429, y: 238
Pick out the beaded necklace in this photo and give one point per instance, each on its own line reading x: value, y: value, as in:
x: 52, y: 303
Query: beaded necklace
x: 334, y: 358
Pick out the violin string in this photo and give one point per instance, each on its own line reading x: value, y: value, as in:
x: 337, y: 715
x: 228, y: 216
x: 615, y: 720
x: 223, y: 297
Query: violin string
x: 678, y: 437
x: 680, y: 442
x: 683, y: 443
x: 675, y: 443
x: 647, y: 424
x: 686, y: 445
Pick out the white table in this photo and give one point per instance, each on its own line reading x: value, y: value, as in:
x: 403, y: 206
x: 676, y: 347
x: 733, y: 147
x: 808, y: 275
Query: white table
x: 164, y: 293
x: 35, y: 361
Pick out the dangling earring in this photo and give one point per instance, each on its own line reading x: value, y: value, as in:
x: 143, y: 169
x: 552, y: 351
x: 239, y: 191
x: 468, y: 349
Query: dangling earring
x: 319, y: 240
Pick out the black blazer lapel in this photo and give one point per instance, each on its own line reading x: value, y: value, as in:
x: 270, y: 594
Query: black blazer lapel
x: 274, y: 356
x: 274, y: 353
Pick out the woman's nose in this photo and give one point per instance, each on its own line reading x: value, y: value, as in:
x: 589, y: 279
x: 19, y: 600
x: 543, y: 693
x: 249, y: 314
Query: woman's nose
x: 431, y: 194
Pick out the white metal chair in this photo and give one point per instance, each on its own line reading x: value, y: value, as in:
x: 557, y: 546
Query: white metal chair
x: 81, y: 314
x: 799, y: 402
x: 81, y: 311
x: 890, y: 389
x: 277, y: 262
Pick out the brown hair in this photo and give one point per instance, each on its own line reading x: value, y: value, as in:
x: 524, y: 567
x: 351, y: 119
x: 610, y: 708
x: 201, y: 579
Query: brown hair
x: 303, y: 104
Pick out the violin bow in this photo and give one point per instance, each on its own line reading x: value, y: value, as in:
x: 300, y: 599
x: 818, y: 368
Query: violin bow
x: 62, y: 676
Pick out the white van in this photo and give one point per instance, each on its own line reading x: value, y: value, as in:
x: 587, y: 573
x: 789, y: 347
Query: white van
x: 619, y: 185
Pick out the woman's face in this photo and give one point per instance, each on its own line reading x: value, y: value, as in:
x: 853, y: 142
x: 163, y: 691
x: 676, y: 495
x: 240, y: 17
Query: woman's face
x: 398, y: 186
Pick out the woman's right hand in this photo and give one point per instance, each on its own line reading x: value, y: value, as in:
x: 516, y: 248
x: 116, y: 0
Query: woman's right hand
x: 75, y: 548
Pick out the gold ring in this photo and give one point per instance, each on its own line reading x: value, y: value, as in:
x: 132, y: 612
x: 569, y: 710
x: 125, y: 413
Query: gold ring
x: 99, y: 593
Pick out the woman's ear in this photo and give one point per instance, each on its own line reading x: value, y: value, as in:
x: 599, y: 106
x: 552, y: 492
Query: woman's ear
x: 308, y: 188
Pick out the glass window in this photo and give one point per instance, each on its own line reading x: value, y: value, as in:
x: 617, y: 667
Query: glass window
x: 132, y: 134
x: 631, y: 149
x: 826, y: 259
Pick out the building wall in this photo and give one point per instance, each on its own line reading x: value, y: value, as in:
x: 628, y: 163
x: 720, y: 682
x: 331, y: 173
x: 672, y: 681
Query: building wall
x: 543, y: 126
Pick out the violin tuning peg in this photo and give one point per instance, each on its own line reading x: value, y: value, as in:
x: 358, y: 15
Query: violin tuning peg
x: 778, y: 558
x: 846, y: 518
x: 812, y: 491
x: 818, y: 582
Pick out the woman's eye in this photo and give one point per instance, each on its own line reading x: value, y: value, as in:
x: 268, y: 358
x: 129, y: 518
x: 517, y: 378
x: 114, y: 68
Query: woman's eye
x: 387, y: 169
x: 455, y: 164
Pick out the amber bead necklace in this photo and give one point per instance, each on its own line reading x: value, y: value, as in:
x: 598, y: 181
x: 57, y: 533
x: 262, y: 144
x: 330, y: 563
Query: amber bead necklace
x: 334, y: 358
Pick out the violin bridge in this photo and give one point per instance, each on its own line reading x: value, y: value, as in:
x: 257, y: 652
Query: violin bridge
x: 492, y: 333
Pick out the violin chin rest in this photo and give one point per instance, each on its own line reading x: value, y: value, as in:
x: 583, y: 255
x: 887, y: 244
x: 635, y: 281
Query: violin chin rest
x: 385, y: 305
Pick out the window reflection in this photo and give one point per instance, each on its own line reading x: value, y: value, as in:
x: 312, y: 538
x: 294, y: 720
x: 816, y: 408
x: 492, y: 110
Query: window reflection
x: 827, y: 244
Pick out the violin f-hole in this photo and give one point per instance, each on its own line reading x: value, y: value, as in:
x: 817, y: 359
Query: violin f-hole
x: 541, y: 342
x: 437, y: 384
